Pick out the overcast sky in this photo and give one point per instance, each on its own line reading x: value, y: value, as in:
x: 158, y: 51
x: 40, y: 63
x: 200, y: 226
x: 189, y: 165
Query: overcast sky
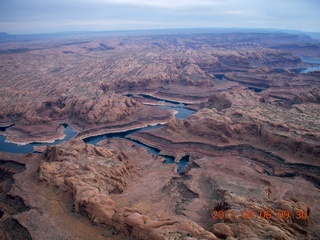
x: 42, y: 16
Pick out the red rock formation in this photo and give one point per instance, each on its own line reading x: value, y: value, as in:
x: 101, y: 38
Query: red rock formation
x: 75, y: 89
x: 266, y: 139
x: 93, y: 174
x: 249, y: 151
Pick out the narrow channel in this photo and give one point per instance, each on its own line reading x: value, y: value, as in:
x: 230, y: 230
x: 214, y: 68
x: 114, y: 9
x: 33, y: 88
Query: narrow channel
x: 181, y: 112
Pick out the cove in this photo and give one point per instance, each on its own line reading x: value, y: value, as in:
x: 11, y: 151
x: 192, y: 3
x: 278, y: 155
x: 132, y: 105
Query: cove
x: 2, y: 129
x: 181, y: 112
x: 154, y: 151
x: 314, y: 62
x: 168, y: 159
x: 27, y: 148
x: 219, y: 75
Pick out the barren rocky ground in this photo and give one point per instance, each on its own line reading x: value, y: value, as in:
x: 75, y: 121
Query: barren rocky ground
x: 253, y: 142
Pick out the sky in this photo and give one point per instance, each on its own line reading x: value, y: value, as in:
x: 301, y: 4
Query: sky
x: 44, y: 16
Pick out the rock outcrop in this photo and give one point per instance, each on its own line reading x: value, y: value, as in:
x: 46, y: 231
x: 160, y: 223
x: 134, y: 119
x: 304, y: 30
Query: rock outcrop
x: 253, y: 145
x: 74, y: 159
x: 271, y: 141
x: 94, y: 175
x: 257, y: 218
x: 80, y: 91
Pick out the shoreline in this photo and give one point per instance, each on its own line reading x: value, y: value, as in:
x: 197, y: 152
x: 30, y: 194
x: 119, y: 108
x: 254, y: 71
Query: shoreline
x: 84, y: 134
x: 2, y: 125
x: 60, y: 135
x: 153, y: 94
x: 119, y: 130
x: 128, y: 127
x: 179, y: 101
x: 173, y: 106
x: 94, y: 134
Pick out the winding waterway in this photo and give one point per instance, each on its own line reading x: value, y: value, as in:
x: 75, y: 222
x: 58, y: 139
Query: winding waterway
x: 180, y: 110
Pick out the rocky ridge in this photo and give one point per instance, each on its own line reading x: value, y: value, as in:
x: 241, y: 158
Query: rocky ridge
x: 236, y: 124
x: 93, y: 175
x: 79, y: 81
x: 253, y: 145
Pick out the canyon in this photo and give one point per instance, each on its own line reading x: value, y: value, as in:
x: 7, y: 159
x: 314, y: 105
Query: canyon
x: 252, y: 140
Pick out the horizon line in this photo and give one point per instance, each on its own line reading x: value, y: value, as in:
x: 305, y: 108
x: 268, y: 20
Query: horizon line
x: 163, y: 29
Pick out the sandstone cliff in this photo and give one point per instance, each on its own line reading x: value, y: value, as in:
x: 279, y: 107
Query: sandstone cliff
x: 93, y: 175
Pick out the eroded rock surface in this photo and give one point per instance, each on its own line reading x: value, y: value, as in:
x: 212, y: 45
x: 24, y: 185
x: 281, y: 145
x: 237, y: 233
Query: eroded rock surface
x: 253, y: 144
x: 94, y: 175
x: 80, y: 83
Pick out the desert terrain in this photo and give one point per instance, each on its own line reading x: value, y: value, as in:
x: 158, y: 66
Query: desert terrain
x: 251, y: 136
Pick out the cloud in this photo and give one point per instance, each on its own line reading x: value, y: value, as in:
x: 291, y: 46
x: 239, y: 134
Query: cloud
x: 32, y: 15
x: 159, y: 3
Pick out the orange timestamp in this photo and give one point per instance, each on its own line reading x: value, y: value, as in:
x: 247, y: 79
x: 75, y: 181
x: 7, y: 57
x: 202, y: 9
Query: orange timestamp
x: 264, y: 214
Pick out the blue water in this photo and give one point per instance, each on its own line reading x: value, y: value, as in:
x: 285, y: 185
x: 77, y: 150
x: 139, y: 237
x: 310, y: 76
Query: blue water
x: 312, y: 69
x: 313, y: 61
x: 96, y: 139
x: 27, y: 148
x: 70, y: 133
x: 183, y: 163
x: 182, y: 113
x: 161, y: 100
x: 2, y: 129
x: 14, y: 148
x: 219, y: 76
x: 167, y: 159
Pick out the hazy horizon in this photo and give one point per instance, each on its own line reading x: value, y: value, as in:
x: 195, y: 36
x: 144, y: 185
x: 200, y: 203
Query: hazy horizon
x: 36, y: 16
x: 170, y: 31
